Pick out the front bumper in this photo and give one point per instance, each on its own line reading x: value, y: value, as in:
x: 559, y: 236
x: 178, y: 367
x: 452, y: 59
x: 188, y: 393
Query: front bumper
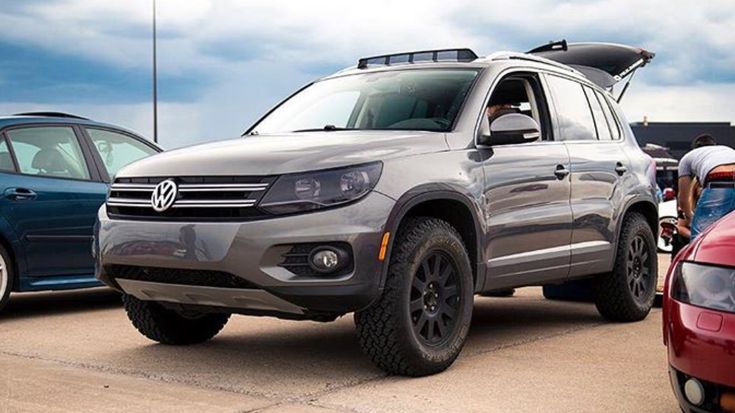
x: 250, y: 251
x: 701, y: 345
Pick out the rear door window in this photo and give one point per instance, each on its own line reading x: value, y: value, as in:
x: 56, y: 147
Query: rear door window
x: 573, y: 112
x: 603, y: 129
x: 51, y: 151
x: 6, y: 160
x: 117, y: 149
x: 614, y: 127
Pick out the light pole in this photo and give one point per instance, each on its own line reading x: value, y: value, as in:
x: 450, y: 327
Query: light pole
x: 155, y: 80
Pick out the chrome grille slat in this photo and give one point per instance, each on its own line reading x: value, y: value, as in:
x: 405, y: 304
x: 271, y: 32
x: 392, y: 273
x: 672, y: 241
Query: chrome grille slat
x: 223, y: 197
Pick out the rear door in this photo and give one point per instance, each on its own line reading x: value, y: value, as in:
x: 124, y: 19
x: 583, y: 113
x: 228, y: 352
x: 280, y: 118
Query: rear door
x: 598, y: 166
x: 51, y: 199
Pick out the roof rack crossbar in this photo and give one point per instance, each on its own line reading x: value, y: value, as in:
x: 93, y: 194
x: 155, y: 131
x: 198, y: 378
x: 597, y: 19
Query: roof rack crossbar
x: 438, y: 55
x: 50, y: 115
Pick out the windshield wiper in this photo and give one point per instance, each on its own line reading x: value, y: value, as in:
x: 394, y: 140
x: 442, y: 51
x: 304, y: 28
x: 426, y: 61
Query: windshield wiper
x: 328, y: 128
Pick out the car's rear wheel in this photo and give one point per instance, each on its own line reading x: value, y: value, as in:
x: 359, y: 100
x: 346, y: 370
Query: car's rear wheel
x: 168, y: 326
x: 420, y: 323
x: 628, y: 293
x: 6, y: 277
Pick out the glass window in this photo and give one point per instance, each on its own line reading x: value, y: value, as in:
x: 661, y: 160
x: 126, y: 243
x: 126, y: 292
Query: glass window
x: 48, y: 151
x: 6, y: 160
x: 394, y: 100
x: 572, y: 110
x: 118, y: 150
x: 614, y: 127
x: 603, y: 129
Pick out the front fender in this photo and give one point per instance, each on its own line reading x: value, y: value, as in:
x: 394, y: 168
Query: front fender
x: 431, y: 192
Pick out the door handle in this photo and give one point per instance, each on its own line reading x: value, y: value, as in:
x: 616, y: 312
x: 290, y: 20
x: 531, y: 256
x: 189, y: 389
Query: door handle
x: 20, y: 194
x: 620, y: 168
x: 561, y: 172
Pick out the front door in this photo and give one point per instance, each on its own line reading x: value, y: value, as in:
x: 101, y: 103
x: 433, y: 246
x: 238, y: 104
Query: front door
x: 51, y: 201
x: 527, y: 194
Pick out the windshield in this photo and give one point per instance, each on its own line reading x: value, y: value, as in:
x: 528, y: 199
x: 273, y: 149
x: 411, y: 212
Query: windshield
x: 427, y: 99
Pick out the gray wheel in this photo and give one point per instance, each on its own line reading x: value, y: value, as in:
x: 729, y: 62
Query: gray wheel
x: 6, y: 277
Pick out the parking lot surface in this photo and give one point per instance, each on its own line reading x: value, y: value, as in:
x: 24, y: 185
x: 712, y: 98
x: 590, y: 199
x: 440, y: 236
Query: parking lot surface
x: 77, y: 351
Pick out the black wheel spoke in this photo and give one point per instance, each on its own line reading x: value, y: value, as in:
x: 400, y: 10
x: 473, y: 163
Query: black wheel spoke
x: 437, y: 267
x: 418, y: 284
x: 450, y: 291
x: 416, y: 305
x: 440, y: 327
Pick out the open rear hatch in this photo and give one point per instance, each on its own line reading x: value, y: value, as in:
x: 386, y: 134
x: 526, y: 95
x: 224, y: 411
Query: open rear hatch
x: 604, y: 64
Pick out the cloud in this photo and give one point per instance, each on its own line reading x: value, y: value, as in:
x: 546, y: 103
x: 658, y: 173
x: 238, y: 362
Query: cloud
x: 222, y: 63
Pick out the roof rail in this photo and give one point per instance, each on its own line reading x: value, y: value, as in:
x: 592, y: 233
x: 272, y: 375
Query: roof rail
x: 438, y: 55
x: 531, y: 58
x: 51, y: 115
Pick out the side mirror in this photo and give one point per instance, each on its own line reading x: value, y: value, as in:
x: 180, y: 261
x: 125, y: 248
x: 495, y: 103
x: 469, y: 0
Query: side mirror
x: 509, y: 129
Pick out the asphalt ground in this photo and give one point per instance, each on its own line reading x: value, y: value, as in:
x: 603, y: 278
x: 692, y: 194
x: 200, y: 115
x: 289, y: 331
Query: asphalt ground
x: 77, y: 352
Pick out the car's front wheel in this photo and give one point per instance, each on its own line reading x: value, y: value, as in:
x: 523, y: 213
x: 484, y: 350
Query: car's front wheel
x: 628, y: 293
x: 6, y: 277
x: 168, y: 326
x: 420, y: 323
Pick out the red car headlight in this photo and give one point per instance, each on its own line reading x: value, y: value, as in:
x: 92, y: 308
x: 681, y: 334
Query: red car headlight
x: 704, y: 286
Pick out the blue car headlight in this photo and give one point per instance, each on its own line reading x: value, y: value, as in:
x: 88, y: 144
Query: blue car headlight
x: 705, y: 286
x: 320, y: 189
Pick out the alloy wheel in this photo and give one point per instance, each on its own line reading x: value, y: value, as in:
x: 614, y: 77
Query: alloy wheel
x: 638, y: 267
x: 435, y: 299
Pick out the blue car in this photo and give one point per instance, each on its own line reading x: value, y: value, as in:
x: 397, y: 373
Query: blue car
x: 55, y: 171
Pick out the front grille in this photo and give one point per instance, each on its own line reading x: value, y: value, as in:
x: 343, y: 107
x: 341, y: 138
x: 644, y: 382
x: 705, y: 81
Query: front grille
x: 198, y: 198
x: 296, y: 259
x: 203, y: 278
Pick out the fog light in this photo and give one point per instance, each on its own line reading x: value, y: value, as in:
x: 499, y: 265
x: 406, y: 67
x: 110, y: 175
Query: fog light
x: 694, y: 392
x: 327, y: 259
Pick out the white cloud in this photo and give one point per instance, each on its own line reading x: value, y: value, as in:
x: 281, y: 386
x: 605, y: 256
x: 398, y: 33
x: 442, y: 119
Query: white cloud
x: 252, y: 53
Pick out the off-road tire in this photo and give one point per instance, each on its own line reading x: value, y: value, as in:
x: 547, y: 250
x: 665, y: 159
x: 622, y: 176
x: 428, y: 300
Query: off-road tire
x: 7, y: 277
x: 615, y: 298
x: 387, y: 329
x: 168, y: 326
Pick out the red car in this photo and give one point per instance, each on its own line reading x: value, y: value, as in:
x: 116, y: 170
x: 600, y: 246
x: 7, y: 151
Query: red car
x: 699, y: 321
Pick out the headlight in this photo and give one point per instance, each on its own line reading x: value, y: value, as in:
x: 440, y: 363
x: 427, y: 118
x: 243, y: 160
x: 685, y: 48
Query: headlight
x: 705, y: 286
x: 321, y: 189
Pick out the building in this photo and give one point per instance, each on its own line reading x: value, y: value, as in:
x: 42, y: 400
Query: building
x: 677, y: 136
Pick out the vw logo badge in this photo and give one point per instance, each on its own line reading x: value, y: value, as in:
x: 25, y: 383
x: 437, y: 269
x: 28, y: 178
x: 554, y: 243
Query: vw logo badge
x: 164, y: 195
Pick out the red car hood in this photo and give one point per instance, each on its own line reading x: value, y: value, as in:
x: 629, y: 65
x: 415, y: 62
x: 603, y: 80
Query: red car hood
x: 718, y: 243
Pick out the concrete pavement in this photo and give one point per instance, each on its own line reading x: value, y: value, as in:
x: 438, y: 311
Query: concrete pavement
x: 78, y: 352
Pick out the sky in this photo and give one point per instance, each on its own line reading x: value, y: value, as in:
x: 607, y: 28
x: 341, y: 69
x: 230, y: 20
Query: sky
x: 223, y: 63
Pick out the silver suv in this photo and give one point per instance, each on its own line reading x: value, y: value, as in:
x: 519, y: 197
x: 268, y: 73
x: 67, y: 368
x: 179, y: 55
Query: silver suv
x: 396, y: 189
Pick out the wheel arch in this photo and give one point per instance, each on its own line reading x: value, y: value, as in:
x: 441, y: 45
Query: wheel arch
x: 446, y: 204
x: 645, y: 207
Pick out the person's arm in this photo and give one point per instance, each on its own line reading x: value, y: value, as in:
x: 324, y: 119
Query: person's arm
x: 685, y: 186
x: 685, y: 195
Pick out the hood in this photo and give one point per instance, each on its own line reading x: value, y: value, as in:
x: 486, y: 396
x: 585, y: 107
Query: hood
x: 287, y: 153
x: 718, y: 243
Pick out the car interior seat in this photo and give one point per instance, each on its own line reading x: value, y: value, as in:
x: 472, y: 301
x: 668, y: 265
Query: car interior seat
x: 49, y: 161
